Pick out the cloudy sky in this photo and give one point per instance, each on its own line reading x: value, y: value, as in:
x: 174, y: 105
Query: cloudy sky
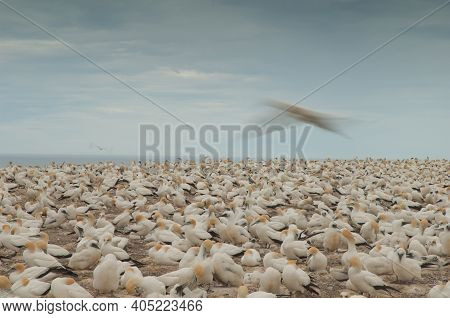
x: 216, y: 62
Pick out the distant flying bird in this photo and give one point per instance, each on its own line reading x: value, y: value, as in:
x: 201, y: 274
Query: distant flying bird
x: 99, y: 148
x: 322, y: 120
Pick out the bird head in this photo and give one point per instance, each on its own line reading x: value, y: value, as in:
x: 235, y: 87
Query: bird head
x: 176, y: 229
x: 24, y: 281
x: 382, y: 217
x: 41, y: 244
x: 30, y: 246
x: 6, y: 228
x: 131, y: 286
x: 212, y: 222
x: 199, y: 271
x: 4, y: 282
x: 208, y: 244
x: 424, y: 223
x: 348, y: 235
x: 69, y: 281
x: 160, y: 224
x: 313, y: 250
x: 355, y: 262
x: 242, y: 292
x: 44, y: 236
x: 140, y: 218
x: 375, y: 226
x: 19, y: 267
x: 158, y: 246
x: 400, y: 252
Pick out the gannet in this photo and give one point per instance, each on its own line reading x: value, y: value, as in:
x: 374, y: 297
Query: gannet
x: 251, y: 257
x: 296, y: 280
x: 242, y: 292
x: 106, y: 275
x: 270, y: 281
x: 364, y: 281
x: 68, y: 288
x: 316, y: 260
x: 226, y: 270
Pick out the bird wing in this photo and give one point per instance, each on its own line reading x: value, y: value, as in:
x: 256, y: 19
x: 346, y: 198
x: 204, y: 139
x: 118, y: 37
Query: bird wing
x: 76, y: 291
x: 38, y: 288
x: 373, y: 279
x: 322, y: 120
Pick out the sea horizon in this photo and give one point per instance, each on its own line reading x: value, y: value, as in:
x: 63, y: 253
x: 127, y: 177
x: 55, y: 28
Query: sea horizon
x: 46, y: 159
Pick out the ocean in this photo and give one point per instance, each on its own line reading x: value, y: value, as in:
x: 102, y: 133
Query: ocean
x: 43, y: 160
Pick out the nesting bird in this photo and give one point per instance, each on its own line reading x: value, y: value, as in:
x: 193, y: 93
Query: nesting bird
x: 225, y: 227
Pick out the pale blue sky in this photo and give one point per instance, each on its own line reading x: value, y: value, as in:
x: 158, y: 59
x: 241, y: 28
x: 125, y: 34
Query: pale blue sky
x: 216, y: 61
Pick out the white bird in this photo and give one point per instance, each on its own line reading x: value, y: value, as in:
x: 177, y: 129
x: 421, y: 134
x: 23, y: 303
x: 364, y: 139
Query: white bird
x: 251, y: 257
x: 440, y: 291
x: 364, y: 281
x: 5, y: 284
x: 406, y: 269
x: 148, y: 286
x: 36, y: 272
x: 181, y: 276
x: 53, y: 249
x: 132, y: 272
x: 87, y: 257
x: 30, y: 288
x: 242, y: 292
x: 122, y: 220
x: 202, y: 266
x: 291, y: 248
x: 106, y: 275
x: 317, y: 261
x: 68, y: 288
x: 270, y: 281
x: 34, y: 257
x: 165, y: 254
x: 229, y: 249
x: 226, y: 270
x: 296, y: 280
x: 188, y: 258
x: 11, y: 241
x: 142, y: 227
x: 275, y: 260
x: 195, y: 234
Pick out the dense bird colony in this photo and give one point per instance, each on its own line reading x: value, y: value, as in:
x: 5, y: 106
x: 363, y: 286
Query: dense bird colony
x: 333, y: 228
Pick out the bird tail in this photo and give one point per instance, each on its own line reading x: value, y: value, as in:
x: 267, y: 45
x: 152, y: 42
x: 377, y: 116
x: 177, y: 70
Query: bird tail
x: 365, y: 244
x: 64, y: 256
x: 276, y: 240
x: 64, y: 270
x: 386, y: 288
x: 136, y: 263
x: 48, y: 290
x: 428, y: 265
x: 313, y: 289
x: 239, y: 254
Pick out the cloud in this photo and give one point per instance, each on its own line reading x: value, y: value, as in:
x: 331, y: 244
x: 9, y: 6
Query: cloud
x: 214, y: 61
